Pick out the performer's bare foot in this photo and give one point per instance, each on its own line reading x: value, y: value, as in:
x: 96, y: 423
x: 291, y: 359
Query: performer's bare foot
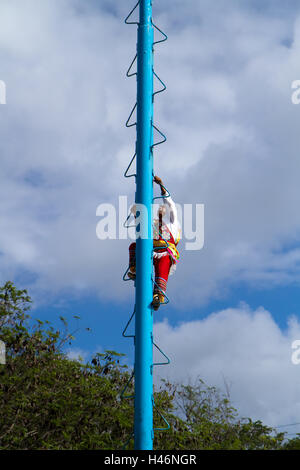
x: 155, y: 302
x: 131, y: 273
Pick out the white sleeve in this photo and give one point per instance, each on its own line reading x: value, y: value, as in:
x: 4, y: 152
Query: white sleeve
x: 173, y: 210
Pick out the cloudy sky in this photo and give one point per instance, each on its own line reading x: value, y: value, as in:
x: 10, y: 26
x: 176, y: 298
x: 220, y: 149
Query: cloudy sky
x: 233, y: 140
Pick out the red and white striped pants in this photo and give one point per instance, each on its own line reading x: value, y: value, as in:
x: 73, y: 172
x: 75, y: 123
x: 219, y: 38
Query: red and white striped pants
x: 162, y: 264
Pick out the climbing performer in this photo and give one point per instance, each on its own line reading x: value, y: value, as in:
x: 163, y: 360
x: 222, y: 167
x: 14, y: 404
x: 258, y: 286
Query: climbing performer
x: 166, y: 235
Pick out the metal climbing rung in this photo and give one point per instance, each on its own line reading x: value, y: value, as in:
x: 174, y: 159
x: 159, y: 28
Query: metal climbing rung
x: 161, y: 82
x: 127, y: 169
x: 165, y: 37
x: 127, y: 326
x: 128, y: 73
x: 127, y: 219
x: 126, y: 274
x: 130, y: 115
x: 162, y: 196
x: 132, y: 11
x: 166, y: 298
x: 163, y: 418
x: 122, y: 395
x: 168, y: 361
x: 164, y: 138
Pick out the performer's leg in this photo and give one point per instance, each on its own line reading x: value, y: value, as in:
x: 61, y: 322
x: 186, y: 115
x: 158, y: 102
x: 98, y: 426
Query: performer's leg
x: 131, y: 272
x: 162, y: 268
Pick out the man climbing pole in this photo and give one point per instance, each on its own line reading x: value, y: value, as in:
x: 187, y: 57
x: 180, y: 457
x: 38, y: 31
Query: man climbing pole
x: 166, y: 235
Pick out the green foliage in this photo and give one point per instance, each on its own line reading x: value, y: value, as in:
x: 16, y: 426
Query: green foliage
x: 203, y: 418
x: 48, y: 401
x: 293, y: 444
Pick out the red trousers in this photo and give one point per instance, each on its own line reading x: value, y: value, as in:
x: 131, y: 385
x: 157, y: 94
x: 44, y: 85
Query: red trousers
x: 162, y: 267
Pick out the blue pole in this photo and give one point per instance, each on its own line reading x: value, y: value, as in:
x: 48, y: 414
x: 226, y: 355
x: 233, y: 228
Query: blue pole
x: 143, y: 406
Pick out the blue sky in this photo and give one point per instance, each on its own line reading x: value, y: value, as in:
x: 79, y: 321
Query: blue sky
x: 107, y: 320
x: 233, y: 140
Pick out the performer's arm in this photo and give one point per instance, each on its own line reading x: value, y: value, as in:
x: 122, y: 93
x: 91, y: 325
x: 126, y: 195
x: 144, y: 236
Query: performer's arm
x: 168, y: 200
x: 158, y: 181
x: 173, y: 210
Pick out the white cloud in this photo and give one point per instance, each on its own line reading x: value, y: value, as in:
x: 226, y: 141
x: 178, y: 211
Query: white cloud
x: 246, y: 349
x: 232, y: 140
x: 77, y: 354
